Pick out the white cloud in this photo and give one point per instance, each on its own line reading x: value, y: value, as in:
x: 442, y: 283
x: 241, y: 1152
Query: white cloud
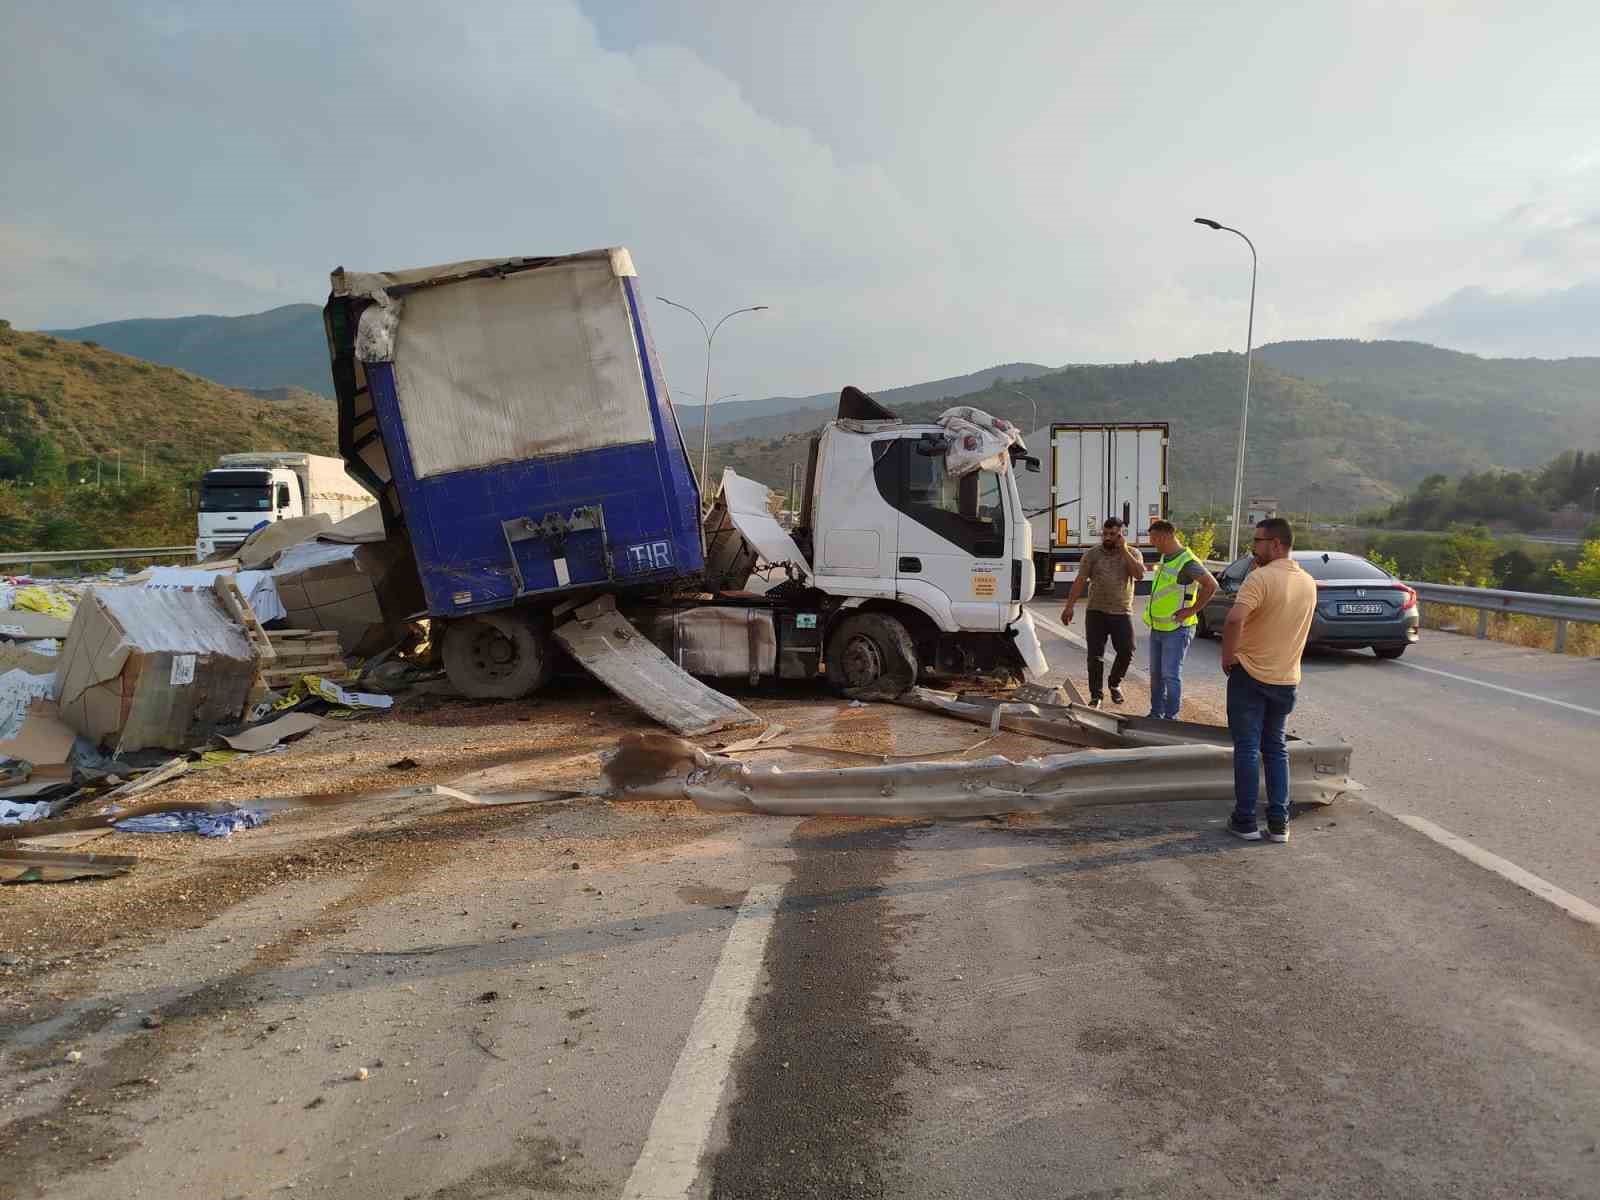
x: 916, y: 190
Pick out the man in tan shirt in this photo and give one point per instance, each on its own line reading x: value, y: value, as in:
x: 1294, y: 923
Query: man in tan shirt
x: 1262, y: 641
x: 1107, y: 573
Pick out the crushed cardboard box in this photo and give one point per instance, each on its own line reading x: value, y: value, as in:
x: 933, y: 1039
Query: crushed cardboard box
x: 261, y: 548
x: 145, y: 668
x: 34, y: 732
x: 364, y: 592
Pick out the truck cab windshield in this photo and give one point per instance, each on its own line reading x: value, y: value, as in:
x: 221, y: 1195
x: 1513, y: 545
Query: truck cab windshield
x: 255, y: 497
x: 969, y: 510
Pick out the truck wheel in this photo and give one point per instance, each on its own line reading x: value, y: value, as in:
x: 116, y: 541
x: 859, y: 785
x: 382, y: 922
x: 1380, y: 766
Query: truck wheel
x: 1388, y: 651
x: 497, y: 656
x: 1044, y: 575
x: 871, y: 657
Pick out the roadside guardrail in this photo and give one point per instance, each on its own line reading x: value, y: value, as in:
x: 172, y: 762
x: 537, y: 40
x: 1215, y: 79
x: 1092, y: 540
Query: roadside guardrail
x: 65, y: 556
x: 1560, y: 609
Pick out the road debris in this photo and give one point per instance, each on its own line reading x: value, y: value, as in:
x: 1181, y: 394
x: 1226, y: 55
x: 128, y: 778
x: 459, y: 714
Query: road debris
x: 656, y: 766
x: 142, y: 668
x: 619, y: 656
x: 27, y: 865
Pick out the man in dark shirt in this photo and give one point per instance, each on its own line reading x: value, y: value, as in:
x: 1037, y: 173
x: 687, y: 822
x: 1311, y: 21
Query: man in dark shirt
x: 1107, y: 573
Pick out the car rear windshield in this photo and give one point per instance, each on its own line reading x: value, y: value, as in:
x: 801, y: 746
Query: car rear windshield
x: 1340, y: 566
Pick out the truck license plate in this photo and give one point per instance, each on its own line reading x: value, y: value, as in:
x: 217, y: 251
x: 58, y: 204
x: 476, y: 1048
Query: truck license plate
x: 1359, y: 610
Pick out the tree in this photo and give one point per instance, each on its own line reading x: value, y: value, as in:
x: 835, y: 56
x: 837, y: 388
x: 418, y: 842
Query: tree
x: 1466, y: 559
x: 1516, y: 572
x: 1583, y: 578
x: 1201, y: 541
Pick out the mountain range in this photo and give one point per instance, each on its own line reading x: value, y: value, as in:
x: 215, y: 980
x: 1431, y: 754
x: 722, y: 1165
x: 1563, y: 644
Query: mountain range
x: 282, y: 347
x: 1335, y: 425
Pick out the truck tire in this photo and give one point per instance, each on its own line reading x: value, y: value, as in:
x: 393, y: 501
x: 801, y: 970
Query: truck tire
x: 497, y: 656
x: 871, y: 657
x: 1044, y: 575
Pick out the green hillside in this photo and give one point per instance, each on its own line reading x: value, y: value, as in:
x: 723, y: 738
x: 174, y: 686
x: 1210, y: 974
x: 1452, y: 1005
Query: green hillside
x: 1308, y: 448
x: 1519, y: 411
x: 72, y: 414
x: 282, y: 347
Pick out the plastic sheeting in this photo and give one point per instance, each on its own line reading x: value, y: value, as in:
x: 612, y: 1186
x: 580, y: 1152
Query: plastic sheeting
x: 257, y: 586
x: 206, y: 824
x: 18, y: 690
x: 978, y: 441
x: 24, y: 812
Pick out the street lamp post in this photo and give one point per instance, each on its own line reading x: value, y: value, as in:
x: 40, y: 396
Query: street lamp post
x: 705, y: 414
x: 705, y: 410
x: 1030, y: 400
x: 1244, y: 410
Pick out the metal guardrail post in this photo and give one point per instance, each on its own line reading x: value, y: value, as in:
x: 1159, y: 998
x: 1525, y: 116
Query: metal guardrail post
x: 1561, y: 636
x: 1483, y: 623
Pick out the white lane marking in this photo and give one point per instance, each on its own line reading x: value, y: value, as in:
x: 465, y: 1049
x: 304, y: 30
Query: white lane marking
x: 1073, y: 639
x: 670, y: 1160
x: 1061, y: 631
x: 1591, y: 712
x: 1505, y: 868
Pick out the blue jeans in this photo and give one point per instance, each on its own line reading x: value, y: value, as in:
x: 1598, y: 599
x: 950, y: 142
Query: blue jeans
x: 1256, y: 715
x: 1167, y: 650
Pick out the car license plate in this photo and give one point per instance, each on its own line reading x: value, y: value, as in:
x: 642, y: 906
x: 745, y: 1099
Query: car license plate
x: 1358, y: 610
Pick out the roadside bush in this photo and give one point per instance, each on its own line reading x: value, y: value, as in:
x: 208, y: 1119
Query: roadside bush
x: 1378, y: 559
x: 1582, y: 579
x: 1201, y: 541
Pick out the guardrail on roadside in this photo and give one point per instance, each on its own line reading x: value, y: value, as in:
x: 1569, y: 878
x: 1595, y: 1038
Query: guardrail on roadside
x: 65, y: 556
x: 1559, y: 609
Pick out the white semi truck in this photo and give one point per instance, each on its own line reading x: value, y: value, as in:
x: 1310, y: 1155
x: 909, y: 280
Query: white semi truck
x: 1097, y: 469
x: 245, y: 491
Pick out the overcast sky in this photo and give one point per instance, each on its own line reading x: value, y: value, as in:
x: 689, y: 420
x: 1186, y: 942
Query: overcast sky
x: 916, y: 188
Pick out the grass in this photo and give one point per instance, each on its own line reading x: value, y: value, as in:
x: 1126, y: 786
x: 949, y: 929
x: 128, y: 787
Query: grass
x: 1537, y: 633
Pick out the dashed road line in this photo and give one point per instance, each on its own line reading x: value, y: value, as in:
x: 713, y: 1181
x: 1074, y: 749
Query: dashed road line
x: 670, y: 1161
x: 1591, y: 712
x: 1573, y: 906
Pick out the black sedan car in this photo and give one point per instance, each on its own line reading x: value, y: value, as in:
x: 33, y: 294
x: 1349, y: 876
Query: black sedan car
x: 1359, y: 604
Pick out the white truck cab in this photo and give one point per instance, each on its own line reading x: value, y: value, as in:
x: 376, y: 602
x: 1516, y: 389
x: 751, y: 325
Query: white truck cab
x: 950, y: 558
x: 246, y: 491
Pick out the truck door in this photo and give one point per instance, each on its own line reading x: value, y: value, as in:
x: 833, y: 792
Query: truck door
x: 1138, y: 475
x: 953, y: 536
x: 1124, y: 456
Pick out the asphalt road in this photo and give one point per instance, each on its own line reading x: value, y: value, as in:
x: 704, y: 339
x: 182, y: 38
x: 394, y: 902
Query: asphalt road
x: 1496, y: 743
x: 1124, y: 1002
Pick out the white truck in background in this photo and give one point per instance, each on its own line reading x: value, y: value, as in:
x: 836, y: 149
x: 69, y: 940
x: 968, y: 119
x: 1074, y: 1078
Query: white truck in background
x: 1097, y: 469
x: 245, y: 491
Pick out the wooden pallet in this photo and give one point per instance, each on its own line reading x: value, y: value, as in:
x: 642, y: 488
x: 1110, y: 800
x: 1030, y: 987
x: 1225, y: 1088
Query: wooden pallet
x: 227, y: 590
x: 298, y: 652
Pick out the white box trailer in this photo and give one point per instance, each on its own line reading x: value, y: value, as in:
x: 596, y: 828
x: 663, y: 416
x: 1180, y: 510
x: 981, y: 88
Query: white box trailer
x: 1097, y: 469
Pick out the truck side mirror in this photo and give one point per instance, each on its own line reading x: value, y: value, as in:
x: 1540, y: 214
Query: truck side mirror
x: 932, y: 446
x: 1032, y: 464
x: 283, y: 495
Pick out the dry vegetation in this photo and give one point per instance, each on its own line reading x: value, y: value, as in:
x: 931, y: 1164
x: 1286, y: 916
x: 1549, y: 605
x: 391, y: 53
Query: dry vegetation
x: 1583, y: 641
x: 90, y: 401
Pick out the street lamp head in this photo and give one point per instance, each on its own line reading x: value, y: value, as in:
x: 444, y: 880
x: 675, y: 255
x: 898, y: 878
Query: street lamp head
x: 759, y: 308
x: 1209, y: 224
